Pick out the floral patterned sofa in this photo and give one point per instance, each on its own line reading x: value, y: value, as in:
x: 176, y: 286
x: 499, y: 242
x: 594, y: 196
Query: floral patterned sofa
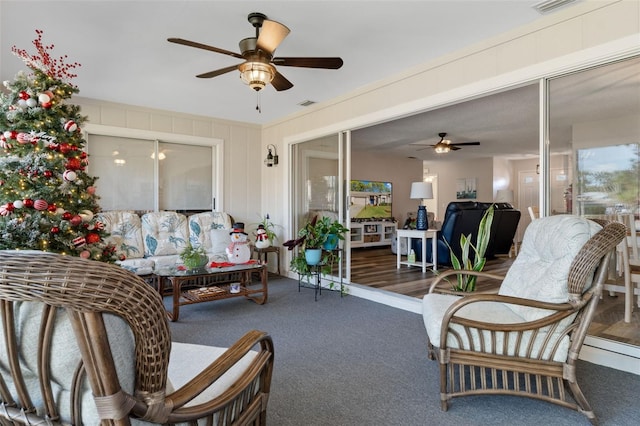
x: 155, y: 240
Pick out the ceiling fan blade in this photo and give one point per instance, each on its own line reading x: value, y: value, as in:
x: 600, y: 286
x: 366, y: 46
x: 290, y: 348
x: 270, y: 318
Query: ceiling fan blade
x: 203, y: 46
x: 280, y: 83
x: 327, y: 63
x: 217, y: 72
x: 454, y: 148
x: 465, y: 143
x: 271, y: 36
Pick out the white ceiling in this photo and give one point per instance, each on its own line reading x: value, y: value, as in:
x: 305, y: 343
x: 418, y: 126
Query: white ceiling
x: 126, y: 58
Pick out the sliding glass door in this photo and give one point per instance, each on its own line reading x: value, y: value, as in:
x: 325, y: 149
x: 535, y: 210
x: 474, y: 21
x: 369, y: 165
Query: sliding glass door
x: 319, y: 174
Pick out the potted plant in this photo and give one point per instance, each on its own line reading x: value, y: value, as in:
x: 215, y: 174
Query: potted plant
x: 310, y: 240
x: 194, y: 258
x: 467, y: 283
x: 333, y: 231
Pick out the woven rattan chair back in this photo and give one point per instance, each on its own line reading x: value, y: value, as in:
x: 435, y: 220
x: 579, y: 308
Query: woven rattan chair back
x: 88, y: 291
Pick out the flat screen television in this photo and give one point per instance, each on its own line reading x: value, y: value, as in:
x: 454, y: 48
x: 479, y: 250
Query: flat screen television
x: 370, y: 200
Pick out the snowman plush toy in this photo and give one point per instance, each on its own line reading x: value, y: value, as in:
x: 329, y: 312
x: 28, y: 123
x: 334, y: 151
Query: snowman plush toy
x: 262, y: 240
x: 238, y: 251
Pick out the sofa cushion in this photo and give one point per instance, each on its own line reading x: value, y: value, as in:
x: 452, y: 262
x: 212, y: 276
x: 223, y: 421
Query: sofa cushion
x: 220, y: 240
x: 201, y: 225
x: 541, y: 270
x: 164, y: 233
x: 138, y: 266
x: 126, y: 232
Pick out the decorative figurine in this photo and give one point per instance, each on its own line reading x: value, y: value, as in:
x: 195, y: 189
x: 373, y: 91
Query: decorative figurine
x: 238, y: 251
x: 262, y: 240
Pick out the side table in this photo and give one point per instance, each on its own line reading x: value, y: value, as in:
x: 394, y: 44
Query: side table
x: 431, y: 234
x: 265, y: 251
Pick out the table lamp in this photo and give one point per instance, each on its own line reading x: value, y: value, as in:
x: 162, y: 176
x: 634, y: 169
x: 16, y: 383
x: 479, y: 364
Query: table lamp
x: 421, y: 191
x: 504, y: 196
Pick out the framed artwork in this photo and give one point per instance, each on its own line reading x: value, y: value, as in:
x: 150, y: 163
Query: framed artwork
x: 466, y: 189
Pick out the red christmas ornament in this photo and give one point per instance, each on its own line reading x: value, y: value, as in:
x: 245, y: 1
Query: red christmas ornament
x: 73, y: 164
x: 46, y: 105
x: 47, y: 173
x: 76, y: 220
x: 23, y: 95
x: 65, y: 148
x: 65, y: 215
x: 52, y: 208
x: 54, y: 146
x: 10, y: 207
x: 28, y: 202
x: 93, y: 237
x: 79, y: 241
x: 55, y: 230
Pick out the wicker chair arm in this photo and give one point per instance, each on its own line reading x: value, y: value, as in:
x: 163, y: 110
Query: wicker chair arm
x: 441, y: 280
x: 217, y: 368
x: 560, y: 311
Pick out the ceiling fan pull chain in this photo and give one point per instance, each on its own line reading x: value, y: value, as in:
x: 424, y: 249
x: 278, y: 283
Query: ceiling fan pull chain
x: 258, y: 106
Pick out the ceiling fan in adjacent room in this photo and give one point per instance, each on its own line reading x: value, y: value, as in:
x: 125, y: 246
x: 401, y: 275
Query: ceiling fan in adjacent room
x: 445, y: 145
x: 258, y: 68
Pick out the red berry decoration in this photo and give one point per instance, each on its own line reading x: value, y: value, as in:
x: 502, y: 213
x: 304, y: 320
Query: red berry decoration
x: 55, y: 230
x: 23, y: 95
x: 28, y: 202
x: 52, y: 208
x: 47, y: 173
x: 66, y: 216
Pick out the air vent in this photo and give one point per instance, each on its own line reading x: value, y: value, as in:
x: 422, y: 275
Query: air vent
x: 307, y: 103
x: 551, y: 5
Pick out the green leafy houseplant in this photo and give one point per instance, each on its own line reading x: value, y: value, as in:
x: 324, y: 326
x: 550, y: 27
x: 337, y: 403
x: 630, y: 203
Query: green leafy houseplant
x: 464, y: 282
x: 312, y: 236
x: 194, y: 258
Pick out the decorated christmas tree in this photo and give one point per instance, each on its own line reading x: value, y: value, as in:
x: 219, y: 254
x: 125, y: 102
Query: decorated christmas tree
x: 47, y: 199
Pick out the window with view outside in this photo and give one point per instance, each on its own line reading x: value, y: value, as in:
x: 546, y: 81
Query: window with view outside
x: 608, y: 180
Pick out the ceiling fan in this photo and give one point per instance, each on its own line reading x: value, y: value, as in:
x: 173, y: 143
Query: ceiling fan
x: 258, y: 68
x: 445, y: 145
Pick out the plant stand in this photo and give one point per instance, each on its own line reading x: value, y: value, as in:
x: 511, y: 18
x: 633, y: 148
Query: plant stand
x: 315, y: 278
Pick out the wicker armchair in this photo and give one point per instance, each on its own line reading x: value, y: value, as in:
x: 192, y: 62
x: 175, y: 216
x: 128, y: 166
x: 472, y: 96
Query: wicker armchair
x: 70, y: 323
x: 524, y: 339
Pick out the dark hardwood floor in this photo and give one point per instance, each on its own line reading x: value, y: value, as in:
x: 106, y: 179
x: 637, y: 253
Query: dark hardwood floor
x: 376, y: 267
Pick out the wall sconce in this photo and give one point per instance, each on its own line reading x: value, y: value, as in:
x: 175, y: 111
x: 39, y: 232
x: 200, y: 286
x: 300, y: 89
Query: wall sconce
x: 272, y: 156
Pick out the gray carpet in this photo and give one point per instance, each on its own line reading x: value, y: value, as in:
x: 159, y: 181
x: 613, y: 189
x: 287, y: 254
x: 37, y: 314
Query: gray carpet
x: 349, y: 361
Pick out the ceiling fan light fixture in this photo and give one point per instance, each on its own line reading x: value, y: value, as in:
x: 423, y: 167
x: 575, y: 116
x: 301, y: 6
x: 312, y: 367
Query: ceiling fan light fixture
x: 257, y: 74
x: 442, y: 148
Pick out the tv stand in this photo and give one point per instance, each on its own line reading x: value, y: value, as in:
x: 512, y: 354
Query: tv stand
x: 372, y: 233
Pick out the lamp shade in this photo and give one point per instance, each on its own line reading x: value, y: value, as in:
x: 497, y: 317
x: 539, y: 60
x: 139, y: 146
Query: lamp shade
x: 421, y: 190
x: 504, y: 196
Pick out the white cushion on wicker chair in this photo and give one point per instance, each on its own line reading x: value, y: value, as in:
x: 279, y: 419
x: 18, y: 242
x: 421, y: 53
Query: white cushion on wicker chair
x: 188, y: 360
x: 435, y: 305
x: 541, y: 270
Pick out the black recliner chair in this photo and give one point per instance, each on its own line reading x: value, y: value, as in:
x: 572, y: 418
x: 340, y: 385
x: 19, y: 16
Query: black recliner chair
x: 463, y: 217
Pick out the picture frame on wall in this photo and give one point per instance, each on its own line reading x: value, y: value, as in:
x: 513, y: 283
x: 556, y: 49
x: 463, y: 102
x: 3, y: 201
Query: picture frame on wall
x: 466, y: 189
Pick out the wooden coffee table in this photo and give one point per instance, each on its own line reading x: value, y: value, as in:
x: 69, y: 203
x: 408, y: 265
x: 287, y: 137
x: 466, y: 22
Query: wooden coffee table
x: 212, y: 284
